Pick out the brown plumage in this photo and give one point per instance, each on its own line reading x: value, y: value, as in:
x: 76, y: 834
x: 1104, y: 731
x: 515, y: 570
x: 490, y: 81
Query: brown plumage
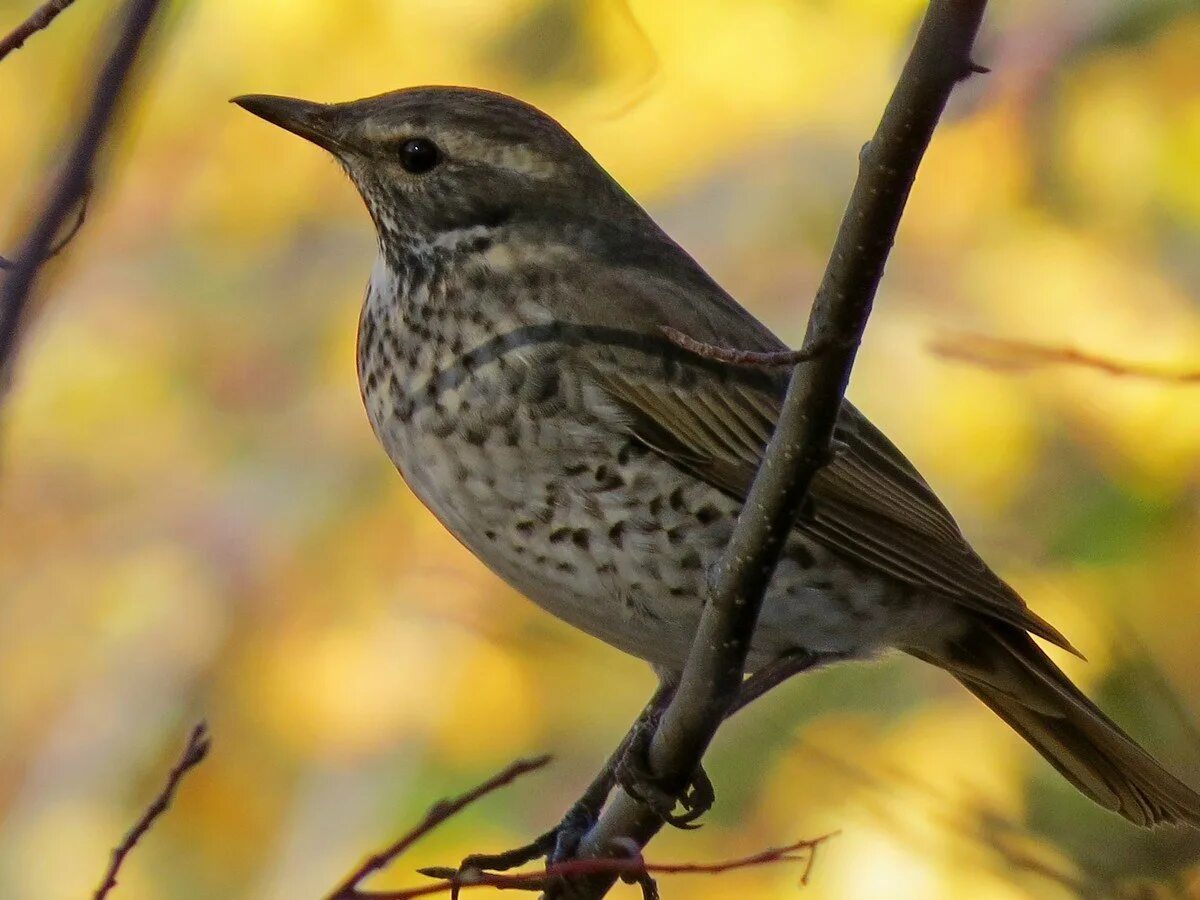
x: 514, y: 366
x: 1005, y: 669
x: 870, y: 504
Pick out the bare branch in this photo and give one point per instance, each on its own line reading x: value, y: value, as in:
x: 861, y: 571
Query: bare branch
x: 755, y: 359
x: 61, y: 244
x: 941, y: 57
x: 74, y: 178
x: 194, y: 752
x: 439, y: 813
x: 41, y: 18
x: 1018, y: 356
x: 631, y: 869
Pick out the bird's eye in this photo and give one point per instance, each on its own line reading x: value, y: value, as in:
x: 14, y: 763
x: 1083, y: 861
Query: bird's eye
x: 419, y: 155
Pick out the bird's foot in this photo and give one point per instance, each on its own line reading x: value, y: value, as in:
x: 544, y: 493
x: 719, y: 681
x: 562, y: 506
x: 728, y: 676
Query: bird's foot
x: 570, y: 831
x: 635, y: 775
x: 556, y: 845
x: 509, y: 859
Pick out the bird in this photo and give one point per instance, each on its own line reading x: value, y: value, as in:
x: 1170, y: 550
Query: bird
x: 516, y: 362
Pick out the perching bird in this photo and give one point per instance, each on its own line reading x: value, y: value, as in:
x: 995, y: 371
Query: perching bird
x: 513, y: 364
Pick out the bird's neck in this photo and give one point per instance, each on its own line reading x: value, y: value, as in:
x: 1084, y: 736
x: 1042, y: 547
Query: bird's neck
x: 411, y: 267
x: 431, y: 301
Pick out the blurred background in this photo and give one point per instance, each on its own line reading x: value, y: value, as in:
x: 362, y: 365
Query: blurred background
x: 196, y: 520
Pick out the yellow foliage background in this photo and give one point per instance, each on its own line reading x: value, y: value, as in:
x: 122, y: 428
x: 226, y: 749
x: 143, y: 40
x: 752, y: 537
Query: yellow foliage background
x: 196, y: 521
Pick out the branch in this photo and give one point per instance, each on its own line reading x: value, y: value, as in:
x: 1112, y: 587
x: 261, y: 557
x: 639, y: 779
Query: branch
x: 61, y: 244
x: 197, y: 747
x: 73, y: 180
x: 778, y: 359
x: 630, y: 867
x: 801, y: 443
x: 1018, y: 356
x: 441, y: 811
x: 41, y: 18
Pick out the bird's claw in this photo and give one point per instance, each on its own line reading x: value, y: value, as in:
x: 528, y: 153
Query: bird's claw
x: 634, y: 774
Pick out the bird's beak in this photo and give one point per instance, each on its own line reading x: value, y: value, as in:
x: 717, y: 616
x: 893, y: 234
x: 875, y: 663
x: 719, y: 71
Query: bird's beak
x: 311, y: 121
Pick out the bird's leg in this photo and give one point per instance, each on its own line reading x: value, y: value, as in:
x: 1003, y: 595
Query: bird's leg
x: 636, y: 777
x: 560, y: 842
x: 586, y: 810
x: 776, y: 673
x: 628, y: 765
x: 641, y: 782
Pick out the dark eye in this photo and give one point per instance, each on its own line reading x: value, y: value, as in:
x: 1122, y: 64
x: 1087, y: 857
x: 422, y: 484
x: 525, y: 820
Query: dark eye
x: 419, y: 155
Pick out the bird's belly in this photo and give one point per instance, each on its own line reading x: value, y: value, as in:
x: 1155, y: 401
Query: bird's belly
x: 613, y: 539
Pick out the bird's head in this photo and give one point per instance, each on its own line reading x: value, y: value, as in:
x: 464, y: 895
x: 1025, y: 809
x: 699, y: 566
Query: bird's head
x: 432, y: 160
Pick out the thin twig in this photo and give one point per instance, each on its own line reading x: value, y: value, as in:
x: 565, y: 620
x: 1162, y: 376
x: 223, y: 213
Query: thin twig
x: 74, y: 178
x: 940, y: 58
x: 1012, y: 355
x: 197, y: 747
x: 778, y: 359
x: 41, y: 18
x: 439, y: 813
x: 630, y: 868
x: 68, y: 235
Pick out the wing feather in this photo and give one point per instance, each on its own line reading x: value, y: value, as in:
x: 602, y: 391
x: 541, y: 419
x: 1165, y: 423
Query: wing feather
x: 714, y: 420
x: 868, y: 504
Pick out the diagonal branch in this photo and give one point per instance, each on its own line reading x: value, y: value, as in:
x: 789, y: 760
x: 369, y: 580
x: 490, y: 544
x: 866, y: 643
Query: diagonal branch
x: 194, y: 752
x: 71, y: 186
x: 69, y: 235
x: 441, y: 811
x: 801, y: 443
x: 1008, y: 355
x: 40, y: 18
x: 630, y: 868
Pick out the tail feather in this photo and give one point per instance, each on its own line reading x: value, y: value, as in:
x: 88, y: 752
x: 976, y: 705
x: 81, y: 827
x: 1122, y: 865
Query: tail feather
x: 1003, y: 667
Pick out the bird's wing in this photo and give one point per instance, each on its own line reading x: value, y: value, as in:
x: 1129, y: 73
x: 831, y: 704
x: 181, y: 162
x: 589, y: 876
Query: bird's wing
x: 712, y: 419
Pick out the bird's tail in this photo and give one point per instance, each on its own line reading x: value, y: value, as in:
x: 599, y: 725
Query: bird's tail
x: 1002, y: 666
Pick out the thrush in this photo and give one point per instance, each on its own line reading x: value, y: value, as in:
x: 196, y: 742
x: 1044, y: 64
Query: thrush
x: 513, y: 363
